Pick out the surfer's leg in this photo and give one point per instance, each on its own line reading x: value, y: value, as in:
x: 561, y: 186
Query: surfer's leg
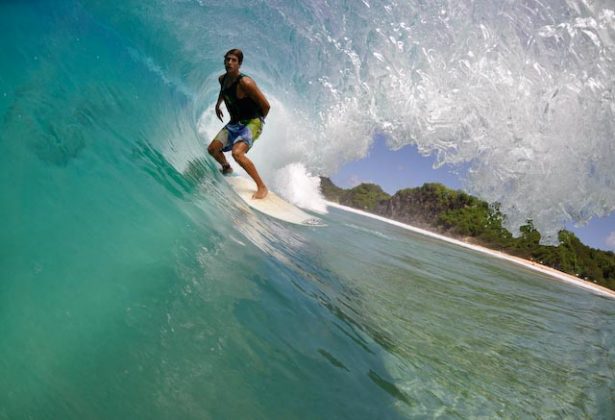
x: 239, y: 154
x: 215, y: 150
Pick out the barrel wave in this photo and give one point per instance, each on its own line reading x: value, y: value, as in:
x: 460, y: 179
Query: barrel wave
x: 134, y: 284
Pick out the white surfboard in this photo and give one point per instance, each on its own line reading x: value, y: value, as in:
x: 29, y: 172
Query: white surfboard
x: 272, y: 205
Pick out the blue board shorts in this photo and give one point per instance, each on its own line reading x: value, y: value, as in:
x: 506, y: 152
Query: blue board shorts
x: 246, y: 131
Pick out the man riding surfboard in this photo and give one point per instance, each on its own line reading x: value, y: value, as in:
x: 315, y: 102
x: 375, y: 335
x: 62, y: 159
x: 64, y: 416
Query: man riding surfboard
x: 248, y: 108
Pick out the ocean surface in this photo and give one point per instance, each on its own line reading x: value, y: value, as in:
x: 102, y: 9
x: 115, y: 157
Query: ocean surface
x: 134, y: 284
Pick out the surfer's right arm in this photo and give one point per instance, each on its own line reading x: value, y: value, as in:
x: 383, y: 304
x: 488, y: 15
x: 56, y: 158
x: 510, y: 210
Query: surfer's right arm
x: 219, y: 112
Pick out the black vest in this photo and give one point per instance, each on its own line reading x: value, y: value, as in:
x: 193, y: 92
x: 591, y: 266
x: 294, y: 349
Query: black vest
x: 240, y: 109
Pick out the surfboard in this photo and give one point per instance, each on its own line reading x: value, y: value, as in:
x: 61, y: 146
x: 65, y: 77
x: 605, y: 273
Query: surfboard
x: 272, y: 205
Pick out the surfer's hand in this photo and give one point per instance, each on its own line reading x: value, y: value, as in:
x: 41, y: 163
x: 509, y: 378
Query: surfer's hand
x: 219, y: 113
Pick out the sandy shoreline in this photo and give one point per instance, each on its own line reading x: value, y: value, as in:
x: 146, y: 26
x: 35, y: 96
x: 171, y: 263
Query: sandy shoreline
x: 603, y: 291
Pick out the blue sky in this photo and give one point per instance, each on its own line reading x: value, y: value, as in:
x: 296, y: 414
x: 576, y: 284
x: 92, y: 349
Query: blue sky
x: 406, y: 168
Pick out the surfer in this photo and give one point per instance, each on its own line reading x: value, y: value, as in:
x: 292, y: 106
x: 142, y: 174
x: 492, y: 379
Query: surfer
x: 248, y: 108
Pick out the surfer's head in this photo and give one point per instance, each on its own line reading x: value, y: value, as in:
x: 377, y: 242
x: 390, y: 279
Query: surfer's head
x: 232, y: 60
x: 237, y: 53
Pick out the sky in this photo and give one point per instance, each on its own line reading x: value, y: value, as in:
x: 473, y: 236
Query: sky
x: 406, y: 168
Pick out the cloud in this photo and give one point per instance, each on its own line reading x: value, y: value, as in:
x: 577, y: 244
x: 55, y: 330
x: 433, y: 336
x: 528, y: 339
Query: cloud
x: 610, y: 240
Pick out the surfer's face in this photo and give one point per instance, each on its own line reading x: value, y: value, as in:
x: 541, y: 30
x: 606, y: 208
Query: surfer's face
x: 231, y: 63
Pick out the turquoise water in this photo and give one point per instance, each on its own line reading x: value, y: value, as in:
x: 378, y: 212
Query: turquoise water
x: 135, y: 285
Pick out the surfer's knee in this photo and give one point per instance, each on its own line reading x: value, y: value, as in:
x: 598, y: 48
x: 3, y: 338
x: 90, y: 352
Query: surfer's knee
x: 238, y: 155
x: 213, y: 149
x: 239, y: 151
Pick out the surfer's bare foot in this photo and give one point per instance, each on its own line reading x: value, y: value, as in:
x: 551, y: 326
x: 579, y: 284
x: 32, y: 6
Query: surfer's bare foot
x: 226, y: 169
x: 260, y: 193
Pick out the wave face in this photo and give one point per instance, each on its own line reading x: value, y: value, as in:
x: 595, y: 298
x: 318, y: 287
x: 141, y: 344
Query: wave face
x: 134, y: 284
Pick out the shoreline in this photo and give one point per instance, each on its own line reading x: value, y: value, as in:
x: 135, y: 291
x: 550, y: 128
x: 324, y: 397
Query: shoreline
x: 560, y: 275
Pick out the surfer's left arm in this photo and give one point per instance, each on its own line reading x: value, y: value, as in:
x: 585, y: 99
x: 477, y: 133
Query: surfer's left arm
x: 251, y: 89
x: 219, y: 112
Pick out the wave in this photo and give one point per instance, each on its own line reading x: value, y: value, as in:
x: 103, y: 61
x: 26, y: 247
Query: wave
x: 135, y: 284
x: 518, y: 96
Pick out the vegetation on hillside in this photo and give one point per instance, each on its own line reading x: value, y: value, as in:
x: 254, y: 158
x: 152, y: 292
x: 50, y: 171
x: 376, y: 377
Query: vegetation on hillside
x: 364, y: 197
x: 461, y: 215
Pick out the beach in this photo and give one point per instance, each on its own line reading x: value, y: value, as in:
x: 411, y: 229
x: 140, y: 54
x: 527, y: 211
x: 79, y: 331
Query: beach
x: 594, y: 288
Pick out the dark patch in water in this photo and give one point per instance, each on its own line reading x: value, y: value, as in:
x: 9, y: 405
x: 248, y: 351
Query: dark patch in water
x: 52, y: 128
x: 332, y: 360
x: 388, y: 387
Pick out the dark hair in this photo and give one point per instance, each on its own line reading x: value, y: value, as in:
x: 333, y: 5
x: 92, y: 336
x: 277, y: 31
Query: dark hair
x: 237, y: 53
